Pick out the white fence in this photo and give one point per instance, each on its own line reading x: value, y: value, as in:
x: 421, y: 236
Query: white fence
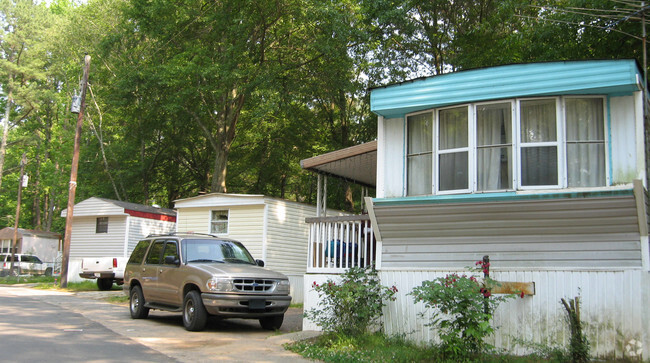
x: 338, y: 243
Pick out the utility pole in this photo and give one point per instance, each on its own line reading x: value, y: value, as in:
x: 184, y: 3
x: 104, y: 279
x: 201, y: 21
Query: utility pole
x: 73, y: 176
x: 23, y: 161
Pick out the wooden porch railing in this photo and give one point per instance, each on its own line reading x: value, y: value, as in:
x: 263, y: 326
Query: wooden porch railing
x: 338, y: 243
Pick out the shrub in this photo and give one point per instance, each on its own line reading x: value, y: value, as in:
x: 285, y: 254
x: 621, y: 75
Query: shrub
x: 578, y: 345
x: 353, y: 305
x: 462, y: 308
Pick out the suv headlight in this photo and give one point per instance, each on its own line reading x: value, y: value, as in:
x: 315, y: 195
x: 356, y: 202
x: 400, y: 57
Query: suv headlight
x: 282, y: 287
x: 217, y: 284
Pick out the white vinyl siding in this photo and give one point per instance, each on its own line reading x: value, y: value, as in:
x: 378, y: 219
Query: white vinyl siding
x: 287, y: 233
x: 84, y: 242
x: 614, y: 303
x: 142, y: 227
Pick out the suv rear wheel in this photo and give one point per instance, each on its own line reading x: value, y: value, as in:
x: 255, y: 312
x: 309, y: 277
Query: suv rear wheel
x: 272, y: 322
x: 136, y: 304
x: 194, y: 314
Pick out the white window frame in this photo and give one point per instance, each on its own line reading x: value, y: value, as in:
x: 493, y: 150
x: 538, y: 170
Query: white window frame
x: 471, y: 174
x: 560, y: 143
x: 433, y: 153
x: 606, y: 135
x: 513, y: 144
x: 227, y: 222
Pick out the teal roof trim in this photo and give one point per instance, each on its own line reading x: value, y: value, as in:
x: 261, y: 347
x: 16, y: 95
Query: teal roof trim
x: 497, y: 197
x: 603, y: 77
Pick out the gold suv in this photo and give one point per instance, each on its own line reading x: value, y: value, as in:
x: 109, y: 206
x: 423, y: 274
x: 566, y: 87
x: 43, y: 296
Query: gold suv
x: 201, y: 275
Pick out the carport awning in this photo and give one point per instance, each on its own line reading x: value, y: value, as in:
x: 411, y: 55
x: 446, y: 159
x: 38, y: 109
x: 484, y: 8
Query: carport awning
x: 356, y: 163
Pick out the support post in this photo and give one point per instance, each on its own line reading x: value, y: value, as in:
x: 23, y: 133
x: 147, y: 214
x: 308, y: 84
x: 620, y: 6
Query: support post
x: 23, y: 161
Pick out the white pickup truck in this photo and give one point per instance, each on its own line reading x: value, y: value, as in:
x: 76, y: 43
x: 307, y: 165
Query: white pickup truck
x: 107, y: 270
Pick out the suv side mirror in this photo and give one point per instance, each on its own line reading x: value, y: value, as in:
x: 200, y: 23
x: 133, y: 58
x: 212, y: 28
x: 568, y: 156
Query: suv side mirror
x: 172, y: 260
x: 260, y: 263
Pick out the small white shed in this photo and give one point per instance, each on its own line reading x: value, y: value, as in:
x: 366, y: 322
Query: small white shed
x: 111, y: 228
x: 272, y: 229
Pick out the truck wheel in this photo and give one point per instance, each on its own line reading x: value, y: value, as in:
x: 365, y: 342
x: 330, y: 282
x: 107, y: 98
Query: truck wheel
x: 194, y: 314
x: 136, y: 304
x: 48, y: 271
x: 272, y: 322
x: 104, y: 283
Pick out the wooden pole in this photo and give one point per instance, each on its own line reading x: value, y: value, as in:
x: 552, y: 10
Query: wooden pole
x: 73, y: 176
x: 23, y: 161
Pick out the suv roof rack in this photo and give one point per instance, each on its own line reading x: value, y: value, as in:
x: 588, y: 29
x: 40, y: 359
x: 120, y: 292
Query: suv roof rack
x: 183, y: 233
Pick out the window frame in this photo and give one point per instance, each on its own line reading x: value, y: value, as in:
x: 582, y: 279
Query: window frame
x: 407, y: 155
x: 437, y: 151
x: 512, y: 145
x: 227, y: 222
x: 516, y: 145
x: 99, y: 222
x: 559, y: 141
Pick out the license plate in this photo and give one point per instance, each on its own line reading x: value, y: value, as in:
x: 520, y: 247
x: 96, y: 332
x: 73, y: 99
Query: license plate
x: 256, y: 304
x: 97, y: 274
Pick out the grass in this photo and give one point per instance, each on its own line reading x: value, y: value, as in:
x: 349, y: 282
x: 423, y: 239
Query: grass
x: 377, y: 347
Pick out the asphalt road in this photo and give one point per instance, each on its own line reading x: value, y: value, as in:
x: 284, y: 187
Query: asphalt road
x: 34, y: 330
x: 50, y: 326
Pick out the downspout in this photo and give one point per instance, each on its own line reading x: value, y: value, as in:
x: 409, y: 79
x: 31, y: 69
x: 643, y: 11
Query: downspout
x: 265, y: 229
x: 126, y: 235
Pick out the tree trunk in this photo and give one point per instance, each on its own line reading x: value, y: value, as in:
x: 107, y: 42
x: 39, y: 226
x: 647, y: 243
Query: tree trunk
x: 5, y: 132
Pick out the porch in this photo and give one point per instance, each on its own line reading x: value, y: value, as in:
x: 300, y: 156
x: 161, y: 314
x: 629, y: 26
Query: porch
x: 337, y: 243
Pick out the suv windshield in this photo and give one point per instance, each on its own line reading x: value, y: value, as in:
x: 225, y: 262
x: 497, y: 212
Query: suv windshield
x: 220, y: 251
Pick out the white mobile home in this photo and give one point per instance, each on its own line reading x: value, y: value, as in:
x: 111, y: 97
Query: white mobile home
x: 540, y: 166
x: 111, y: 228
x: 44, y: 245
x: 272, y: 229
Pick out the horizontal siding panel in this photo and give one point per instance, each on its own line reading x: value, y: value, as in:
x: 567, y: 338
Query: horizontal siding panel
x: 287, y: 235
x: 84, y: 242
x: 575, y: 232
x: 442, y: 247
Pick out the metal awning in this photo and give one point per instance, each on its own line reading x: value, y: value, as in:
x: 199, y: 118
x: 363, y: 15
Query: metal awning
x: 356, y: 163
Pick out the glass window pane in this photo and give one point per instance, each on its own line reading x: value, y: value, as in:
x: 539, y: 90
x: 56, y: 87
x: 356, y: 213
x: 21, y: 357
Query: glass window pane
x: 494, y: 168
x: 453, y: 171
x: 154, y: 253
x: 538, y: 121
x: 219, y: 222
x: 420, y: 128
x: 586, y: 164
x: 494, y: 124
x: 539, y: 166
x: 419, y: 175
x: 453, y: 128
x: 584, y: 119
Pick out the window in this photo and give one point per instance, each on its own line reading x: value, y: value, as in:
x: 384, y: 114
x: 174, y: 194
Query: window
x: 102, y: 225
x: 552, y: 142
x: 138, y: 252
x: 171, y: 249
x: 219, y: 222
x: 453, y: 149
x: 585, y: 142
x: 494, y: 146
x: 419, y: 154
x: 154, y: 253
x: 538, y: 143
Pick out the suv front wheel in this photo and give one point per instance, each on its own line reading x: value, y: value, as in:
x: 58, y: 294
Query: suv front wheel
x: 272, y: 322
x: 194, y: 314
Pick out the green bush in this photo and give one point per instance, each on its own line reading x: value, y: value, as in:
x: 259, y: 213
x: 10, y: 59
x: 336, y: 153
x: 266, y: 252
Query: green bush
x: 353, y: 305
x: 462, y: 308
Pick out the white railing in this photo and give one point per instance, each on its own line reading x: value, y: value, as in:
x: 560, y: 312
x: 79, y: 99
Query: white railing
x: 338, y: 243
